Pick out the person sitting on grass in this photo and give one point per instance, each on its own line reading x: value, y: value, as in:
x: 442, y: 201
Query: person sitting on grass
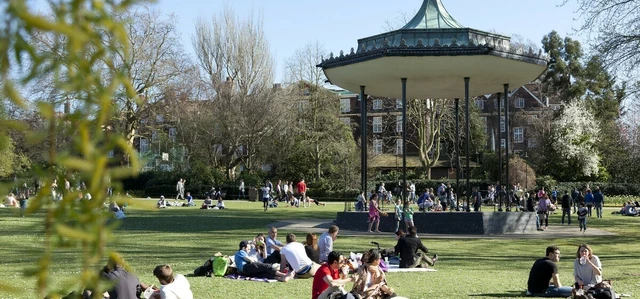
x: 587, y: 269
x: 258, y: 251
x: 371, y: 282
x: 189, y: 199
x: 408, y: 246
x: 330, y: 278
x: 542, y: 272
x: 206, y: 203
x: 293, y: 254
x: 125, y: 284
x: 250, y: 267
x: 162, y: 203
x: 220, y: 204
x: 173, y: 287
x: 11, y: 201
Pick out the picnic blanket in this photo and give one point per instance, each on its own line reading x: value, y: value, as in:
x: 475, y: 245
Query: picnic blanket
x: 240, y: 277
x: 396, y: 268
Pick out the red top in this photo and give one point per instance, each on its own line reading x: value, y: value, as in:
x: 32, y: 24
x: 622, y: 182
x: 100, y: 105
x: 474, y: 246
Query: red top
x: 319, y: 285
x: 302, y: 187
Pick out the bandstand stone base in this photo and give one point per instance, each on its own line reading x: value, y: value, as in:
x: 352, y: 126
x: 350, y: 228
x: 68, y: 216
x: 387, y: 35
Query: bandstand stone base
x: 471, y: 223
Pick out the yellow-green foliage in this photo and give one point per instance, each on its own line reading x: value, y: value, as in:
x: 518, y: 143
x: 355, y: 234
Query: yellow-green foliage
x: 79, y: 68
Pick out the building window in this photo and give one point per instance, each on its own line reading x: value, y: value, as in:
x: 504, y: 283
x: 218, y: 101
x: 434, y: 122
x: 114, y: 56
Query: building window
x: 399, y: 123
x: 503, y: 143
x: 144, y: 145
x: 520, y: 103
x: 398, y: 103
x: 377, y: 147
x: 111, y: 154
x: 480, y: 104
x: 377, y: 104
x: 159, y: 118
x: 518, y: 135
x: 377, y: 124
x: 154, y: 136
x: 143, y: 121
x: 532, y: 119
x: 483, y: 121
x: 532, y: 143
x: 172, y: 134
x: 345, y: 105
x: 241, y: 150
x: 502, y: 124
x: 399, y: 146
x: 346, y: 121
x: 266, y: 167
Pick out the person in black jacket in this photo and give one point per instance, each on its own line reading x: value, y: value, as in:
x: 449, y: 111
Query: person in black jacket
x: 408, y: 246
x: 566, y: 207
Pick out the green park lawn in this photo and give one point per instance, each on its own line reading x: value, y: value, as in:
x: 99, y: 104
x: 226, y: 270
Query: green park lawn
x: 186, y: 237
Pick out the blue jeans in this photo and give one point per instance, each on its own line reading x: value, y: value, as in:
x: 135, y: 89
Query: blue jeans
x: 583, y: 223
x: 553, y: 291
x: 537, y: 221
x: 599, y: 209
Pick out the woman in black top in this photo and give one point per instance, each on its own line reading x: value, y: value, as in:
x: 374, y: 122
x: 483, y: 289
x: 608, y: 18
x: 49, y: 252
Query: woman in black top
x: 311, y: 248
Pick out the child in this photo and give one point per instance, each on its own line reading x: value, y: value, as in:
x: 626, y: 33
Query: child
x: 408, y: 215
x: 398, y: 214
x: 582, y: 216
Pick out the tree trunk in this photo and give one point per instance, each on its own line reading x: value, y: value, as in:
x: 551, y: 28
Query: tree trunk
x: 428, y: 173
x: 317, y: 154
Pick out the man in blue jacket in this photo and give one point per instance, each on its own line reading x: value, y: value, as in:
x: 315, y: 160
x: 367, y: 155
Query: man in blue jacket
x: 598, y: 200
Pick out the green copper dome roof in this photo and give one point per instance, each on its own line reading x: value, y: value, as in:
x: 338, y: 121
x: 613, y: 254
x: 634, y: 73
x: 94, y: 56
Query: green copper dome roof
x: 432, y: 15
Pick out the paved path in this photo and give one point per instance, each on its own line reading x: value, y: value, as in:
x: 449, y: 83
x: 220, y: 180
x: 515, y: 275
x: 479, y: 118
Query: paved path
x: 553, y: 232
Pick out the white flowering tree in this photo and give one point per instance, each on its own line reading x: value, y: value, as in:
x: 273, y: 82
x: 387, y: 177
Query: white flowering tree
x: 574, y: 137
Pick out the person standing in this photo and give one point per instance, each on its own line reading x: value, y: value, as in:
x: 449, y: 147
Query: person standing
x: 325, y: 243
x: 582, y: 217
x: 589, y: 200
x: 477, y: 199
x: 265, y: 196
x: 598, y: 200
x: 398, y: 214
x: 302, y: 190
x: 180, y: 189
x: 412, y: 192
x: 67, y: 186
x: 24, y: 197
x: 374, y: 212
x: 542, y: 272
x: 566, y: 207
x: 241, y: 189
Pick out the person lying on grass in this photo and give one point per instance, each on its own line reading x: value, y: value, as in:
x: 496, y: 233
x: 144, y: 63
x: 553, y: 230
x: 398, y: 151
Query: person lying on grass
x: 250, y: 267
x: 173, y: 286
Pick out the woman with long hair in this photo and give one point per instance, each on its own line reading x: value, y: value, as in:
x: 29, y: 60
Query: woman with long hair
x: 371, y: 282
x: 311, y: 248
x: 587, y: 269
x: 374, y: 212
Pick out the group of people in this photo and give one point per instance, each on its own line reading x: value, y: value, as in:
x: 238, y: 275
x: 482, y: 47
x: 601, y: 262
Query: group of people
x: 284, y: 192
x: 544, y: 278
x: 267, y: 257
x: 543, y: 204
x: 127, y: 285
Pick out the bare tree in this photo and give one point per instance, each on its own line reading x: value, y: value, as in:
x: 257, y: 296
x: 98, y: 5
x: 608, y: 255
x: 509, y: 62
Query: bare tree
x: 151, y: 60
x: 236, y: 63
x: 302, y: 65
x: 616, y: 25
x: 425, y: 117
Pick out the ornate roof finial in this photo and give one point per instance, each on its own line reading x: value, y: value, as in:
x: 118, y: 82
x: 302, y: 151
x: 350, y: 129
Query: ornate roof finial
x: 432, y: 15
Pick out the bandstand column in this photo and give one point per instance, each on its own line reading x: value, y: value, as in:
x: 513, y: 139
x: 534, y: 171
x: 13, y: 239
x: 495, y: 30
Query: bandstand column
x: 506, y: 142
x: 457, y: 156
x: 363, y: 140
x: 499, y: 96
x: 467, y: 173
x: 404, y: 140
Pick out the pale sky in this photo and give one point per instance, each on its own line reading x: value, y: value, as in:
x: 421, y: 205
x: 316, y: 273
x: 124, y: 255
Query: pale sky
x: 338, y: 24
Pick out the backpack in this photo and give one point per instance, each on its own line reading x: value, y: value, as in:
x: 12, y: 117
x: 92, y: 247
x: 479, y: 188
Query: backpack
x: 205, y: 270
x: 220, y: 265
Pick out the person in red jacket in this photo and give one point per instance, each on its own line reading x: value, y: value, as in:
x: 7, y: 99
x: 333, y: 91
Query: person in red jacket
x: 302, y: 190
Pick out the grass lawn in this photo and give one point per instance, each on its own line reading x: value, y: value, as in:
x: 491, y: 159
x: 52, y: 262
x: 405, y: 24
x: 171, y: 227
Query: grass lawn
x: 186, y: 237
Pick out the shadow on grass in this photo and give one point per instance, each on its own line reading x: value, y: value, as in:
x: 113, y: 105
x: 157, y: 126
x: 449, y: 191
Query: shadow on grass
x: 509, y: 294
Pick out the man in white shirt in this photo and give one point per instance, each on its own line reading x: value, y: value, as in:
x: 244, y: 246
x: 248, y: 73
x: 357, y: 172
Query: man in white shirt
x: 294, y: 254
x: 325, y: 242
x: 173, y: 287
x: 241, y: 189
